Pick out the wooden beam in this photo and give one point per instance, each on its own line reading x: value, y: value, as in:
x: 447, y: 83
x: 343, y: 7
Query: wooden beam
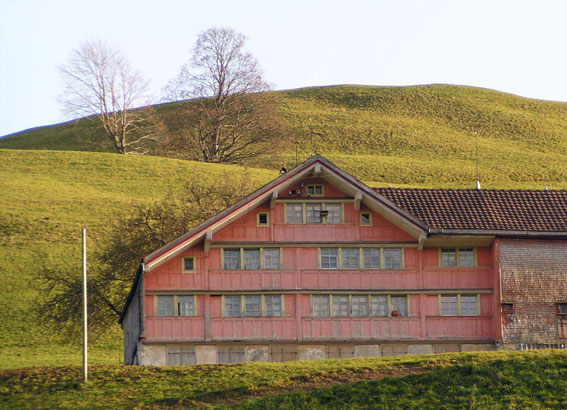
x: 357, y: 200
x: 273, y: 199
x: 208, y: 239
x: 317, y: 170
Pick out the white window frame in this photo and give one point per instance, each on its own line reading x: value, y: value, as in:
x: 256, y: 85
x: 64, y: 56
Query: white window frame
x: 175, y: 305
x: 263, y: 309
x: 331, y: 310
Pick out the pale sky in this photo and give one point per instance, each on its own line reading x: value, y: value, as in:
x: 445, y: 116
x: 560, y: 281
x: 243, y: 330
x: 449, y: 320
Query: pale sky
x: 514, y: 46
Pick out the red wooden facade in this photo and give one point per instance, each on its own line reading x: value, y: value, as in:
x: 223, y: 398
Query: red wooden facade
x: 425, y: 319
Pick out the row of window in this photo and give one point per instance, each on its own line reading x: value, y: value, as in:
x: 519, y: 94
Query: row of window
x: 358, y: 305
x: 321, y: 305
x: 334, y: 258
x: 330, y: 258
x: 253, y: 305
x: 313, y: 213
x: 357, y: 258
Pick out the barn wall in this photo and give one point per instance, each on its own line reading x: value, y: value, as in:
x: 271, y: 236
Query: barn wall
x: 534, y: 279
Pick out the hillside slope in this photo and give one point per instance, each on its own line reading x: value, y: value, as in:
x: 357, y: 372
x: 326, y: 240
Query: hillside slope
x: 47, y: 197
x: 482, y: 380
x: 399, y: 135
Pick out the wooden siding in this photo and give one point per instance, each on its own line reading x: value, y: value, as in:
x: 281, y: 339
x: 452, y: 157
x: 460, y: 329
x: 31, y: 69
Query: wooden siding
x: 300, y: 276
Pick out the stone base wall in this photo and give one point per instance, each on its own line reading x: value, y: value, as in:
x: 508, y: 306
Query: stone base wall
x: 186, y: 353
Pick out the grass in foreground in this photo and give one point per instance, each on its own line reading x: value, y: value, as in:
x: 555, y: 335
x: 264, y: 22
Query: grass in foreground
x: 499, y: 380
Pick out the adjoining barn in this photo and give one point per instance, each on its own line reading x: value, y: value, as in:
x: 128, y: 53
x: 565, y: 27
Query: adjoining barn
x: 318, y: 265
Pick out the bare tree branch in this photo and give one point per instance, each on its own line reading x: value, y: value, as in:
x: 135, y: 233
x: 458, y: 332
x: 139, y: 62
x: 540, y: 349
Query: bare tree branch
x: 231, y: 116
x: 101, y: 86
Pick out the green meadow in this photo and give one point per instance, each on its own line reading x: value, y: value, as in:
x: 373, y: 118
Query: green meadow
x: 491, y: 380
x: 57, y: 179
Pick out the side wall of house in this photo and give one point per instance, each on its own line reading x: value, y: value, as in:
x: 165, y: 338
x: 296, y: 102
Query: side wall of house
x: 533, y: 282
x: 132, y: 327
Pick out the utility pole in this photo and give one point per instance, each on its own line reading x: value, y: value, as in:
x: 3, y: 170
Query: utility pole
x: 85, y: 322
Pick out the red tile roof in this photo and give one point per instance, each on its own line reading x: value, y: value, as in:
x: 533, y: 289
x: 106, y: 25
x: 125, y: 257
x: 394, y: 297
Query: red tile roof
x: 484, y: 209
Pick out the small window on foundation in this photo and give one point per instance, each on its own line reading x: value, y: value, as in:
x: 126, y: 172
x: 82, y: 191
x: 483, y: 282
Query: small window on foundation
x: 188, y: 265
x: 365, y: 219
x: 263, y: 219
x: 507, y: 307
x: 562, y: 308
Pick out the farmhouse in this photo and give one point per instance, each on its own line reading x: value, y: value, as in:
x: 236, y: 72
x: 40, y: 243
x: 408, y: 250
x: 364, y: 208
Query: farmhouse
x: 316, y: 264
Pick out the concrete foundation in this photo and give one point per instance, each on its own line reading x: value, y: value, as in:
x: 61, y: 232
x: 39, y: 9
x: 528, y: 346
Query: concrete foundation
x: 154, y: 355
x: 477, y: 347
x: 317, y: 352
x: 206, y: 354
x: 257, y: 353
x: 367, y: 351
x: 420, y: 349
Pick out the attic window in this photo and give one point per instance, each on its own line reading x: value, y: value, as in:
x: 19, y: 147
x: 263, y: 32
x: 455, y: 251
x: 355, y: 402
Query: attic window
x: 365, y: 219
x: 188, y: 265
x: 262, y: 219
x: 315, y: 190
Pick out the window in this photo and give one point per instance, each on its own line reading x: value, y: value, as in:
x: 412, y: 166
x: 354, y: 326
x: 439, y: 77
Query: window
x: 271, y: 258
x: 562, y: 308
x: 457, y: 257
x: 449, y: 306
x: 334, y: 215
x: 329, y: 258
x: 294, y: 213
x: 251, y: 258
x: 273, y: 305
x: 399, y: 304
x: 232, y: 306
x: 185, y: 305
x: 188, y: 264
x: 507, y: 307
x: 365, y: 219
x: 392, y: 258
x: 379, y: 305
x: 175, y: 305
x: 340, y: 305
x: 351, y: 258
x: 371, y: 258
x: 230, y: 354
x: 321, y: 305
x: 262, y: 219
x: 360, y: 305
x: 313, y: 213
x: 253, y: 305
x: 165, y: 305
x: 315, y: 190
x: 180, y: 357
x: 459, y: 305
x: 231, y: 259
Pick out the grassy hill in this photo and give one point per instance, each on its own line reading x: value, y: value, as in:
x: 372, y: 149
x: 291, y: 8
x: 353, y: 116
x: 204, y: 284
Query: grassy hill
x: 47, y: 196
x: 491, y: 380
x: 413, y: 136
x: 400, y: 135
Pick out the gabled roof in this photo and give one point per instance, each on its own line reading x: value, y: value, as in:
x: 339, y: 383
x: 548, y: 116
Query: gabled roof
x: 484, y: 209
x: 316, y: 165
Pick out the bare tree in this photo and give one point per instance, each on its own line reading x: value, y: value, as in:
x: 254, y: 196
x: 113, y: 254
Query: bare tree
x: 230, y: 115
x: 100, y: 84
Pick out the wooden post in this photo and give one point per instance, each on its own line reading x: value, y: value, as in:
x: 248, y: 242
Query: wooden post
x: 85, y: 328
